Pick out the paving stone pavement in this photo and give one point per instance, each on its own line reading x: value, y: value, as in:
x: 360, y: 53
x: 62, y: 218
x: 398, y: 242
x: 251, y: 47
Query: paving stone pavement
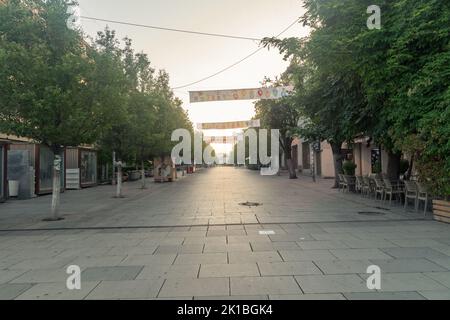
x: 192, y: 240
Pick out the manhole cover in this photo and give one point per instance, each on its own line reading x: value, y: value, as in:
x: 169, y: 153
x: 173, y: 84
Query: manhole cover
x: 371, y: 213
x: 250, y: 204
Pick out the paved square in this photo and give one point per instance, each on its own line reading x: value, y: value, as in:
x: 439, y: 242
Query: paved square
x: 192, y: 240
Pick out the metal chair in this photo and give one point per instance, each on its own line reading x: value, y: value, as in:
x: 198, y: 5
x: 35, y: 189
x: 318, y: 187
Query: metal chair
x: 349, y: 183
x: 411, y: 192
x: 341, y: 185
x: 422, y: 195
x: 359, y: 184
x: 379, y: 188
x: 391, y: 190
x: 366, y: 187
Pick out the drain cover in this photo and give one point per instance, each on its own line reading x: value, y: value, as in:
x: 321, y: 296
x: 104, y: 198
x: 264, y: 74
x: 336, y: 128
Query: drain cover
x: 371, y: 213
x: 250, y: 204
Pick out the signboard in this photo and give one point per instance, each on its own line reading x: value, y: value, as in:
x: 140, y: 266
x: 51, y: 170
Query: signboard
x: 270, y: 93
x: 229, y: 125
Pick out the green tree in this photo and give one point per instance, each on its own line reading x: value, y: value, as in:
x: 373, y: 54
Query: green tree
x: 283, y: 115
x: 46, y: 73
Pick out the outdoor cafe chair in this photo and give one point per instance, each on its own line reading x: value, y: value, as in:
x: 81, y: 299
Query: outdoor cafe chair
x: 366, y: 187
x: 349, y: 183
x: 411, y: 192
x: 341, y: 185
x: 379, y: 188
x: 391, y: 190
x: 422, y: 195
x: 358, y: 184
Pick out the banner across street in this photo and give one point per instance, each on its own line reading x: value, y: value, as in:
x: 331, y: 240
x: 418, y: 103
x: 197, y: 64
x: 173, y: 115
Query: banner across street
x: 221, y: 139
x: 229, y: 125
x: 270, y: 93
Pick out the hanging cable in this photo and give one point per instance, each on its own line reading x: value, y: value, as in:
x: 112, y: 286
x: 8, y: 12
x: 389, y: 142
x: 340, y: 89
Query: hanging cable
x: 236, y: 63
x: 171, y: 29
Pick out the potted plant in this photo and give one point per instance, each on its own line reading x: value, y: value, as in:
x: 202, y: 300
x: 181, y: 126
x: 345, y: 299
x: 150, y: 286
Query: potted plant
x: 349, y: 168
x: 434, y: 176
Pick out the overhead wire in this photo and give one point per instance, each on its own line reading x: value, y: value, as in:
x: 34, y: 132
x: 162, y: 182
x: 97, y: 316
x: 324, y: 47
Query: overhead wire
x: 198, y: 33
x: 236, y: 63
x: 171, y: 29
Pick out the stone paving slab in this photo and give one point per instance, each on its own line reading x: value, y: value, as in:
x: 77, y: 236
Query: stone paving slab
x: 187, y: 248
x: 332, y: 283
x: 264, y: 285
x: 172, y: 271
x: 97, y: 261
x: 322, y: 244
x: 273, y: 246
x: 10, y: 291
x: 202, y: 258
x: 408, y: 282
x: 443, y: 262
x: 436, y: 295
x: 8, y: 275
x: 166, y: 243
x: 138, y: 260
x: 229, y: 270
x: 232, y: 247
x: 261, y: 256
x: 359, y: 254
x: 119, y: 273
x: 57, y: 291
x: 414, y: 253
x: 306, y: 255
x: 288, y: 268
x: 42, y: 275
x: 195, y: 287
x: 129, y: 289
x: 407, y: 265
x: 384, y: 296
x: 441, y: 277
x: 343, y: 266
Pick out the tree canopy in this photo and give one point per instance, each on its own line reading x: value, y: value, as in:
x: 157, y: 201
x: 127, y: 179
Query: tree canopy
x: 391, y: 84
x: 60, y: 90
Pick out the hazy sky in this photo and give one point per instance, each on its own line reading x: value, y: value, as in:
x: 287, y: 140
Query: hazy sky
x: 188, y: 58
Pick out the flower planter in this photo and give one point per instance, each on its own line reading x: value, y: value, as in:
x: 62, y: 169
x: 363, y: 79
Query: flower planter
x: 441, y: 210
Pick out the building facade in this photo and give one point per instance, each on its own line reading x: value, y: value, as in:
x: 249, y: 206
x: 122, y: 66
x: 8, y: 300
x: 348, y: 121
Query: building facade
x: 363, y: 152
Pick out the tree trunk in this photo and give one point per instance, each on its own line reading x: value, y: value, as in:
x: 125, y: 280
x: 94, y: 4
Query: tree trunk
x: 288, y: 157
x: 393, y: 165
x: 409, y: 171
x: 56, y: 186
x: 119, y: 182
x: 292, y: 173
x: 143, y: 175
x: 113, y: 179
x: 336, y: 147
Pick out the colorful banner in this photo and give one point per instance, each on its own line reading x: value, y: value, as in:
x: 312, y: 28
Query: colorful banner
x: 240, y: 94
x: 229, y: 125
x: 221, y: 140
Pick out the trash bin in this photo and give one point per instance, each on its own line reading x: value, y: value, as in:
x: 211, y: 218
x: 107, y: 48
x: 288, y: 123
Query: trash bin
x: 13, y: 186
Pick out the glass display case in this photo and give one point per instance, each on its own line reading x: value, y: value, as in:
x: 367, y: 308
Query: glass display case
x: 88, y: 167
